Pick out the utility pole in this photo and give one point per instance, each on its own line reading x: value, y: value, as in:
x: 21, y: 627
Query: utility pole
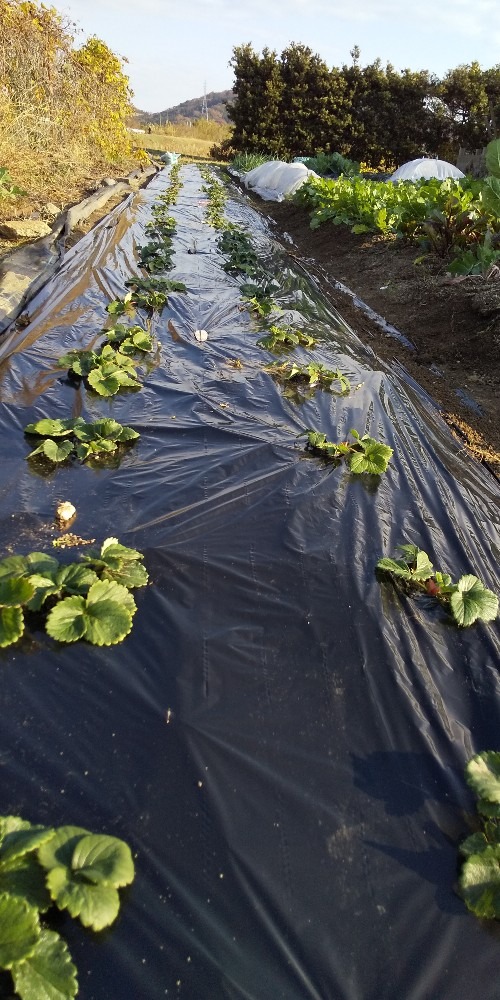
x: 204, y: 106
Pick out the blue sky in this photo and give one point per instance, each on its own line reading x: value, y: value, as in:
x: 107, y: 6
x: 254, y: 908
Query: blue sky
x: 173, y: 47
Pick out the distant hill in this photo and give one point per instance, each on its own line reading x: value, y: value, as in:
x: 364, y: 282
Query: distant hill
x: 217, y: 110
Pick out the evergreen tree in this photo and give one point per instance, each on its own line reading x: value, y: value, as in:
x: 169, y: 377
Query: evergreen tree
x: 255, y: 107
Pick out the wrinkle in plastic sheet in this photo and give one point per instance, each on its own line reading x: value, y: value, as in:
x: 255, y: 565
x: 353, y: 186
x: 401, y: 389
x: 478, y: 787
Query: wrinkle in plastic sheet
x: 280, y: 739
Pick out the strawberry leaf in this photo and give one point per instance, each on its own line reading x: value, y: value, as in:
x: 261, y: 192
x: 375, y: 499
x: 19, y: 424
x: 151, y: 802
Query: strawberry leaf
x: 471, y: 601
x: 48, y: 973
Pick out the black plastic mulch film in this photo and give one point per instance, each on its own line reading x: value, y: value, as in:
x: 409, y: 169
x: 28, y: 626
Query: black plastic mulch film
x: 281, y: 739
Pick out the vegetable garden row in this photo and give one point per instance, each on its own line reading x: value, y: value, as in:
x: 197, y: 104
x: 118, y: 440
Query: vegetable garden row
x: 292, y: 707
x: 457, y: 219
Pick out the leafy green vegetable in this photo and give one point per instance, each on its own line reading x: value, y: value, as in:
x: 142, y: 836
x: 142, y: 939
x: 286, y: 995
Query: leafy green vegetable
x: 483, y: 775
x: 441, y: 213
x: 19, y: 930
x: 56, y: 453
x: 11, y: 625
x: 315, y: 375
x: 103, y: 617
x: 91, y: 869
x: 369, y: 456
x: 214, y: 214
x: 69, y: 866
x: 363, y: 455
x: 88, y: 600
x: 480, y: 882
x: 468, y: 600
x: 119, y: 563
x: 48, y: 973
x: 121, y: 307
x: 242, y: 256
x: 284, y: 338
x: 108, y: 371
x: 51, y: 428
x: 89, y: 439
x: 471, y: 600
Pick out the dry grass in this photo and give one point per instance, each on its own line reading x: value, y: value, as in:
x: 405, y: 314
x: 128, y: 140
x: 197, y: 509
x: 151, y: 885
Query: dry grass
x: 174, y: 144
x: 53, y: 101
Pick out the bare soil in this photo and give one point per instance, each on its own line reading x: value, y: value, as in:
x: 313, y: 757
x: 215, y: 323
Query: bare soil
x: 454, y: 325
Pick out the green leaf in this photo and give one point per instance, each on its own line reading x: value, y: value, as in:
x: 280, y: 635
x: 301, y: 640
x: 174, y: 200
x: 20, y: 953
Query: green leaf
x: 76, y: 579
x: 19, y: 930
x: 40, y: 562
x: 142, y: 341
x: 113, y: 549
x: 480, y: 883
x: 15, y: 592
x: 17, y: 843
x: 53, y: 451
x: 58, y: 851
x: 50, y: 428
x: 108, y: 380
x: 483, y: 775
x: 397, y: 567
x: 471, y: 601
x: 443, y: 581
x: 25, y: 879
x: 49, y: 973
x: 372, y: 459
x: 423, y: 567
x: 14, y: 566
x: 130, y: 574
x: 97, y: 906
x: 11, y: 625
x: 489, y: 809
x: 104, y: 385
x: 79, y: 362
x: 127, y: 434
x: 66, y: 622
x: 103, y: 860
x: 103, y: 618
x: 44, y: 586
x: 410, y: 553
x: 107, y: 592
x: 493, y: 157
x: 99, y: 447
x: 474, y: 844
x: 490, y: 196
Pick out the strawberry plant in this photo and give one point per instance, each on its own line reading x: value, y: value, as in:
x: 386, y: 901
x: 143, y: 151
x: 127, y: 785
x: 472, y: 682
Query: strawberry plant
x: 314, y: 375
x: 242, y: 256
x: 88, y: 600
x: 152, y: 293
x: 285, y: 338
x: 163, y: 225
x: 106, y: 372
x: 258, y: 298
x: 169, y: 196
x: 363, y: 455
x: 63, y: 439
x: 67, y: 867
x: 479, y: 881
x: 467, y: 600
x: 131, y: 339
x: 154, y: 257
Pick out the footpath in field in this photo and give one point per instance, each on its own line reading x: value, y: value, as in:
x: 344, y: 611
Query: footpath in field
x: 281, y: 738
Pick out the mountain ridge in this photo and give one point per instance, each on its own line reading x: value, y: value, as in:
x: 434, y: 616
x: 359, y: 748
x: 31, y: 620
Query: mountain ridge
x: 189, y: 110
